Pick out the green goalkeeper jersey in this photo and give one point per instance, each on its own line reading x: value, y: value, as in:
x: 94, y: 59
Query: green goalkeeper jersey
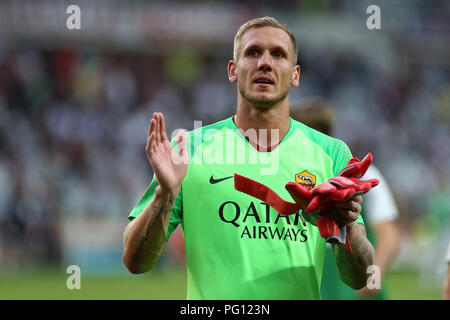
x: 237, y: 247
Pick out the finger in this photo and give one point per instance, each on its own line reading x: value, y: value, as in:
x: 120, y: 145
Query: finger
x: 357, y: 198
x: 163, y: 128
x: 179, y: 157
x: 182, y: 145
x: 157, y: 129
x: 346, y: 195
x: 181, y: 142
x: 151, y: 129
x: 351, y: 205
x: 150, y: 148
x: 151, y: 126
x: 346, y: 216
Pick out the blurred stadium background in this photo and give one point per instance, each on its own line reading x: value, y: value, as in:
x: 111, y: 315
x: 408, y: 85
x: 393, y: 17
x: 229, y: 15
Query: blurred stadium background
x: 75, y: 106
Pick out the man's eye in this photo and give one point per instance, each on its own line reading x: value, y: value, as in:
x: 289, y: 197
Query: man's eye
x: 277, y: 54
x: 253, y: 53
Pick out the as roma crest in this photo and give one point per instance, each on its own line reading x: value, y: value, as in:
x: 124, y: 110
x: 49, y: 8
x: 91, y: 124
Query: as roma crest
x: 306, y: 179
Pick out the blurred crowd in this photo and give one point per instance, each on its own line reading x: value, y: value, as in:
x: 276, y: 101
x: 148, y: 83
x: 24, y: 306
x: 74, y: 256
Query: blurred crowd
x: 74, y: 120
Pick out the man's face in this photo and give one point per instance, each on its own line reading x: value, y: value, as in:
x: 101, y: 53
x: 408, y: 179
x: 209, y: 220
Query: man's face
x: 264, y: 69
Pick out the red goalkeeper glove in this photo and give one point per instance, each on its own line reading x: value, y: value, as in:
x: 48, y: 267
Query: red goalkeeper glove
x: 317, y: 201
x: 339, y: 188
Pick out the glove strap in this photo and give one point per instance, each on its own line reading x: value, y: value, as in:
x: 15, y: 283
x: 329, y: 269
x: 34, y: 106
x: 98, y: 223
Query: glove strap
x: 328, y: 227
x: 346, y: 246
x: 264, y: 193
x: 333, y: 233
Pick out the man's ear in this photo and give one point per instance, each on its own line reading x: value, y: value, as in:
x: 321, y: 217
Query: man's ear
x: 295, y: 81
x: 232, y: 68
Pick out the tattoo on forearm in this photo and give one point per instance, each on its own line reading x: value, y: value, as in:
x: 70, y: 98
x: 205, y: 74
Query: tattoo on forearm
x: 363, y: 251
x: 163, y: 209
x: 354, y: 265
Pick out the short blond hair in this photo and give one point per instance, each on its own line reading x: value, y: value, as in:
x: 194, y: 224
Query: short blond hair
x: 263, y: 22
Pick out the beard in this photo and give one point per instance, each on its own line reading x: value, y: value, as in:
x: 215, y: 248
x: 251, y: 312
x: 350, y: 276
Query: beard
x: 263, y: 102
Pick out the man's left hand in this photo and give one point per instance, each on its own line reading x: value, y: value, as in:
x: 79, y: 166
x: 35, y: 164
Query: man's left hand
x: 346, y: 211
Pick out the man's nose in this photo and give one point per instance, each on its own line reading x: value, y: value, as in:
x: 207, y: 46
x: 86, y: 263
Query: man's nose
x: 265, y: 62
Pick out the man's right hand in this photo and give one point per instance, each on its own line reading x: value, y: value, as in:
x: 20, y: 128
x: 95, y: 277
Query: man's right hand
x: 169, y: 166
x: 145, y: 237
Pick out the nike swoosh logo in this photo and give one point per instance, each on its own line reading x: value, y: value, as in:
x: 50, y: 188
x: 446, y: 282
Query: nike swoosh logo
x: 214, y: 181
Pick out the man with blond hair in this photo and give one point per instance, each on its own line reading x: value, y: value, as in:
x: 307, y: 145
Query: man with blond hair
x: 238, y: 247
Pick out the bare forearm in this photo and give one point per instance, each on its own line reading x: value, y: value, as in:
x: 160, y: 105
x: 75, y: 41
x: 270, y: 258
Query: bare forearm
x: 145, y: 236
x: 353, y: 265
